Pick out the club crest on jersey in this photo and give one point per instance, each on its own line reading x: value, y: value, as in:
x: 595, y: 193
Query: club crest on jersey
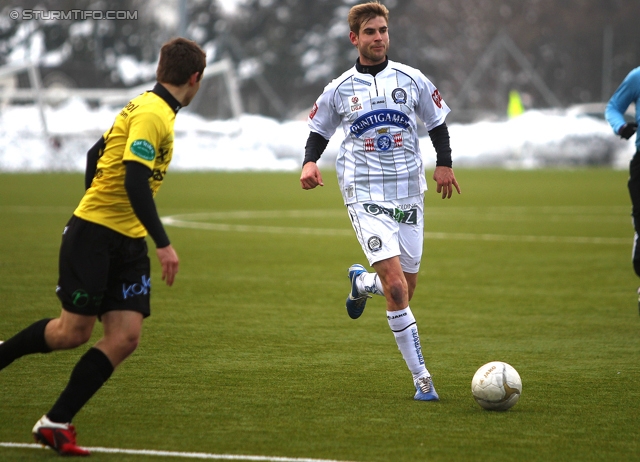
x: 378, y: 118
x: 399, y: 96
x: 355, y: 103
x: 384, y: 141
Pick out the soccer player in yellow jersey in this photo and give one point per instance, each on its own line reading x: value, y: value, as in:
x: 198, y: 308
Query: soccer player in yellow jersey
x: 104, y: 263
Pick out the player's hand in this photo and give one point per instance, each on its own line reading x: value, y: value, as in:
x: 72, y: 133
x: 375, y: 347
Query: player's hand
x: 311, y: 176
x: 627, y: 130
x: 446, y: 181
x: 169, y: 261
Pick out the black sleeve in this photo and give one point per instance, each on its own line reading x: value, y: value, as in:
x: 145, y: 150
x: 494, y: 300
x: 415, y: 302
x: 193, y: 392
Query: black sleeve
x: 136, y: 182
x: 316, y: 144
x: 440, y: 140
x: 93, y: 154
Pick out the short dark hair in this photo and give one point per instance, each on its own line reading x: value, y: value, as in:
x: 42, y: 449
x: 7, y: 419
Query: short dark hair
x: 180, y: 59
x: 360, y: 14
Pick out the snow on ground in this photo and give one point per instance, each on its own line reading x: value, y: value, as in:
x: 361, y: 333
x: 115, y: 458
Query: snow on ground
x: 532, y: 140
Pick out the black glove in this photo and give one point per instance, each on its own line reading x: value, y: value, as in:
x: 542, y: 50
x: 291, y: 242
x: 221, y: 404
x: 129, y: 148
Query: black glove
x: 628, y: 130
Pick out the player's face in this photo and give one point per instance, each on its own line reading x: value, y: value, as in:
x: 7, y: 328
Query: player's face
x: 372, y: 42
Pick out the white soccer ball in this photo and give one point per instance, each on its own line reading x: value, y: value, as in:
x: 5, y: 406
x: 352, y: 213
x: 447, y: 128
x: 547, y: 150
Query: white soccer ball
x: 496, y: 386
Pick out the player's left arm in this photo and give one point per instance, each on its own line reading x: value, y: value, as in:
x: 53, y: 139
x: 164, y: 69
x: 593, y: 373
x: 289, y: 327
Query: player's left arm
x: 446, y: 181
x: 137, y: 186
x: 443, y: 175
x: 433, y: 110
x: 145, y: 135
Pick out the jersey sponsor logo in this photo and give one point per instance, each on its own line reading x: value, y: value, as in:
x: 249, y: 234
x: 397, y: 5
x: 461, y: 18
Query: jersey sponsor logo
x: 399, y: 96
x: 314, y: 110
x: 374, y: 243
x: 378, y: 102
x: 364, y: 82
x: 143, y: 149
x: 128, y: 109
x: 437, y: 98
x: 131, y: 106
x: 355, y: 103
x: 377, y: 118
x: 159, y: 174
x: 384, y: 141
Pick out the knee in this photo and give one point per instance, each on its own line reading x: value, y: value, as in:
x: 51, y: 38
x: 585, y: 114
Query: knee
x: 64, y: 337
x: 128, y: 343
x: 78, y: 337
x: 397, y: 290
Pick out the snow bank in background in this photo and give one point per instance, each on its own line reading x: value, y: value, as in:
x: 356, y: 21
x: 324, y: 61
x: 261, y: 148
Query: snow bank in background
x: 532, y: 140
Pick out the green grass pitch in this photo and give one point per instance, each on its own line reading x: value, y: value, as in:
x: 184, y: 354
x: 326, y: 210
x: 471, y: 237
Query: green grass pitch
x: 251, y: 351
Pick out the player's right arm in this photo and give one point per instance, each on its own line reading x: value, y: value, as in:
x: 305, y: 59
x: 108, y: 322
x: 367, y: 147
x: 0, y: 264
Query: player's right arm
x: 311, y: 176
x: 323, y: 122
x: 627, y: 93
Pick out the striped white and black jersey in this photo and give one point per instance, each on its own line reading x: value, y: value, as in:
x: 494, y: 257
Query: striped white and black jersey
x: 380, y: 157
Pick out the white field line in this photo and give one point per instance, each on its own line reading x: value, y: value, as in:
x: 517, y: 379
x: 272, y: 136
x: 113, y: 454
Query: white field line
x: 537, y: 239
x: 193, y: 221
x: 173, y: 221
x: 185, y: 455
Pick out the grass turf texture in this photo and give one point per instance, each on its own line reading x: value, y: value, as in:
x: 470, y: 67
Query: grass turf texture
x: 251, y: 351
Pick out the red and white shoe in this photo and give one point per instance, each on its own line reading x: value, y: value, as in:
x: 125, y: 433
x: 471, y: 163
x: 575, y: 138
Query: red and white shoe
x: 60, y: 437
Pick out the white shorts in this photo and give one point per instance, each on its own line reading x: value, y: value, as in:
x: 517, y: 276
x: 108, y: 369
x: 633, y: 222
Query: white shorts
x: 390, y: 229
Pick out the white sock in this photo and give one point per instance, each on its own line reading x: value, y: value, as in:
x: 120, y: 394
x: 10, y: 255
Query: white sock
x: 369, y: 283
x: 404, y: 328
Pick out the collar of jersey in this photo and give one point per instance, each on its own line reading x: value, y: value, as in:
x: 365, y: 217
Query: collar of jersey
x: 167, y: 97
x: 373, y: 70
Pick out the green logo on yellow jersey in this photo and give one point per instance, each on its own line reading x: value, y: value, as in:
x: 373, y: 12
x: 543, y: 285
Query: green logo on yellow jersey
x: 143, y: 149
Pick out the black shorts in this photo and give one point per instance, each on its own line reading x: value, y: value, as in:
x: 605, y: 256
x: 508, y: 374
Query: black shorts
x: 101, y: 270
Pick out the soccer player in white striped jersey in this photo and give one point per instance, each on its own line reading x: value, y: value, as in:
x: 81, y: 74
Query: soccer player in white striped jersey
x: 381, y: 173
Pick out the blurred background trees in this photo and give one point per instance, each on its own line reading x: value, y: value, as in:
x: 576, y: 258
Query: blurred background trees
x: 285, y: 51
